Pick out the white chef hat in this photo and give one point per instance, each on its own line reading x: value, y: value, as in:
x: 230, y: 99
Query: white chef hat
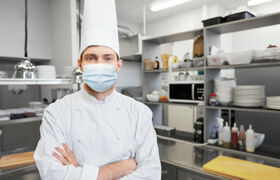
x: 99, y: 26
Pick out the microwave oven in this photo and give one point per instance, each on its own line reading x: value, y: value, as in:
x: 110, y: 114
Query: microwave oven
x: 186, y: 91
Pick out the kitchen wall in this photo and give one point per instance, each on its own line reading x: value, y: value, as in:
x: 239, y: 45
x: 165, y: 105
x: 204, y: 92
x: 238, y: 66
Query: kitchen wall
x: 12, y: 14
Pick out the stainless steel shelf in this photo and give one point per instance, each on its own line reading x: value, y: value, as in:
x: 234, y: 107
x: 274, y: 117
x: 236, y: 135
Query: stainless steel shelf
x: 175, y: 37
x: 155, y: 71
x: 246, y: 24
x: 171, y: 103
x: 135, y: 57
x: 261, y: 110
x: 11, y: 81
x: 17, y: 59
x: 188, y: 69
x: 18, y: 121
x: 241, y: 66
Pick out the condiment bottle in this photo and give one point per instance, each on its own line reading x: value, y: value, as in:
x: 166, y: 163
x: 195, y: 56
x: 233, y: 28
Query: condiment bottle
x: 241, y: 138
x: 220, y: 130
x: 250, y: 139
x: 234, y: 137
x: 213, y: 100
x: 226, y: 136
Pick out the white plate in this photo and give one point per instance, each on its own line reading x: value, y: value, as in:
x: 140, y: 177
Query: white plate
x: 253, y: 87
x: 273, y: 107
x: 273, y: 103
x: 249, y: 104
x: 248, y: 100
x: 273, y: 98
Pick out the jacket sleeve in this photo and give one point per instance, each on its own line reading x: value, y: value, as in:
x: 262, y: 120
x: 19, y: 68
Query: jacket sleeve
x: 52, y: 135
x: 147, y: 153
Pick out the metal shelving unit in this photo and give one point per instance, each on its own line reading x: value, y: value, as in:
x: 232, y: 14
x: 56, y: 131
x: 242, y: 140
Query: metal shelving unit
x: 246, y: 74
x: 152, y: 78
x: 212, y: 36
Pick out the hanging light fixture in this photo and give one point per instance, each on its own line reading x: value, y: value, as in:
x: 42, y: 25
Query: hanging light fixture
x: 25, y: 69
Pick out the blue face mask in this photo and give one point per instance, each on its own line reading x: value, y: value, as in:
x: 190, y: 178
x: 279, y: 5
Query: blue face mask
x: 99, y: 77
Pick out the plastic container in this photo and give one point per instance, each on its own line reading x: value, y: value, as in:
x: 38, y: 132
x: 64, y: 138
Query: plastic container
x: 35, y: 104
x: 234, y: 137
x: 240, y: 57
x: 217, y: 59
x: 238, y: 16
x: 226, y: 136
x: 250, y: 139
x: 213, y: 101
x: 267, y: 55
x: 4, y: 115
x: 198, y: 62
x: 213, y: 21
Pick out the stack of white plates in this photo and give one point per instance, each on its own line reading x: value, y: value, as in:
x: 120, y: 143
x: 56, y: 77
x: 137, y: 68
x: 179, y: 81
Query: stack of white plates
x: 273, y: 102
x: 249, y: 96
x: 224, y: 90
x: 46, y: 72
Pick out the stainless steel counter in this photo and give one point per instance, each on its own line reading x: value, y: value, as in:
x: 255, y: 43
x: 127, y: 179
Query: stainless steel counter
x: 192, y: 158
x: 180, y: 154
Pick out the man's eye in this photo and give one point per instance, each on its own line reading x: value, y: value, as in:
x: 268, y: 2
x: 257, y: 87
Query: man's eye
x: 90, y: 58
x: 108, y: 59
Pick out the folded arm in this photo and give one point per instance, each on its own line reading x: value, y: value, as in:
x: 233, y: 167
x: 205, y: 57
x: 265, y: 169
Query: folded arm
x: 147, y: 153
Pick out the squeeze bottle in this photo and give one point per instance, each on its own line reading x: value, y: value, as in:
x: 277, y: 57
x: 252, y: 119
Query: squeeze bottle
x: 250, y: 140
x: 241, y: 138
x: 226, y: 136
x: 220, y: 130
x: 234, y: 137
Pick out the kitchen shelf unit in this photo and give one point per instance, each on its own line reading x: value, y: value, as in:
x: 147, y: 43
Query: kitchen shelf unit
x: 18, y: 59
x: 246, y: 74
x: 212, y: 36
x: 151, y: 79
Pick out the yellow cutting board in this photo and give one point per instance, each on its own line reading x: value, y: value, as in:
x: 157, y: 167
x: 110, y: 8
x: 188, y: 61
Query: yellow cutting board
x: 233, y: 168
x: 16, y: 160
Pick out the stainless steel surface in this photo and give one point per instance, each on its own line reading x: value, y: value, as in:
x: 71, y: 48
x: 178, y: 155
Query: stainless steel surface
x: 18, y: 121
x: 20, y: 173
x: 24, y: 69
x: 192, y: 158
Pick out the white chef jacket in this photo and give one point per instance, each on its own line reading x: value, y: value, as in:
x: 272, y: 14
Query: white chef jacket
x: 98, y: 133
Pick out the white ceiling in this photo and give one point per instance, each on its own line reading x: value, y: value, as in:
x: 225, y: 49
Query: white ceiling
x: 132, y: 10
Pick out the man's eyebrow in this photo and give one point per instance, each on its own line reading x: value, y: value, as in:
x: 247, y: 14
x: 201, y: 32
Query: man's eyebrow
x: 108, y: 55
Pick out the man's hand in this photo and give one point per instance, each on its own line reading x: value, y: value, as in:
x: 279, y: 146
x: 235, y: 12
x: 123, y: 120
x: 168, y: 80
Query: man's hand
x: 67, y: 156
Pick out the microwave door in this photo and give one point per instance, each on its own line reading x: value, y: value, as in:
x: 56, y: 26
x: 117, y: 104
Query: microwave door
x: 180, y: 91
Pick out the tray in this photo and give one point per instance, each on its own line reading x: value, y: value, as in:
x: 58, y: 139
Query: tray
x: 213, y: 21
x: 238, y: 16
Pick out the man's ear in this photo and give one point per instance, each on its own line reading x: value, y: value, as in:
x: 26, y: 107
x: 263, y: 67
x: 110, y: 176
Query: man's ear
x: 80, y: 64
x: 119, y: 65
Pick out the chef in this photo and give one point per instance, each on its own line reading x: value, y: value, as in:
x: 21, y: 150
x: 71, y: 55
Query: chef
x: 98, y: 133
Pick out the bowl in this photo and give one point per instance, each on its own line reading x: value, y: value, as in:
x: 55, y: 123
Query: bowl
x: 224, y: 103
x: 152, y: 97
x: 175, y: 65
x: 259, y: 138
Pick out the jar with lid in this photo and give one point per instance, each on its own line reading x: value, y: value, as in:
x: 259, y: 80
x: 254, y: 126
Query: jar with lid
x: 213, y: 100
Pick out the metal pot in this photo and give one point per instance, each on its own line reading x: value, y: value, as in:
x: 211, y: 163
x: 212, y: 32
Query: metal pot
x: 25, y: 69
